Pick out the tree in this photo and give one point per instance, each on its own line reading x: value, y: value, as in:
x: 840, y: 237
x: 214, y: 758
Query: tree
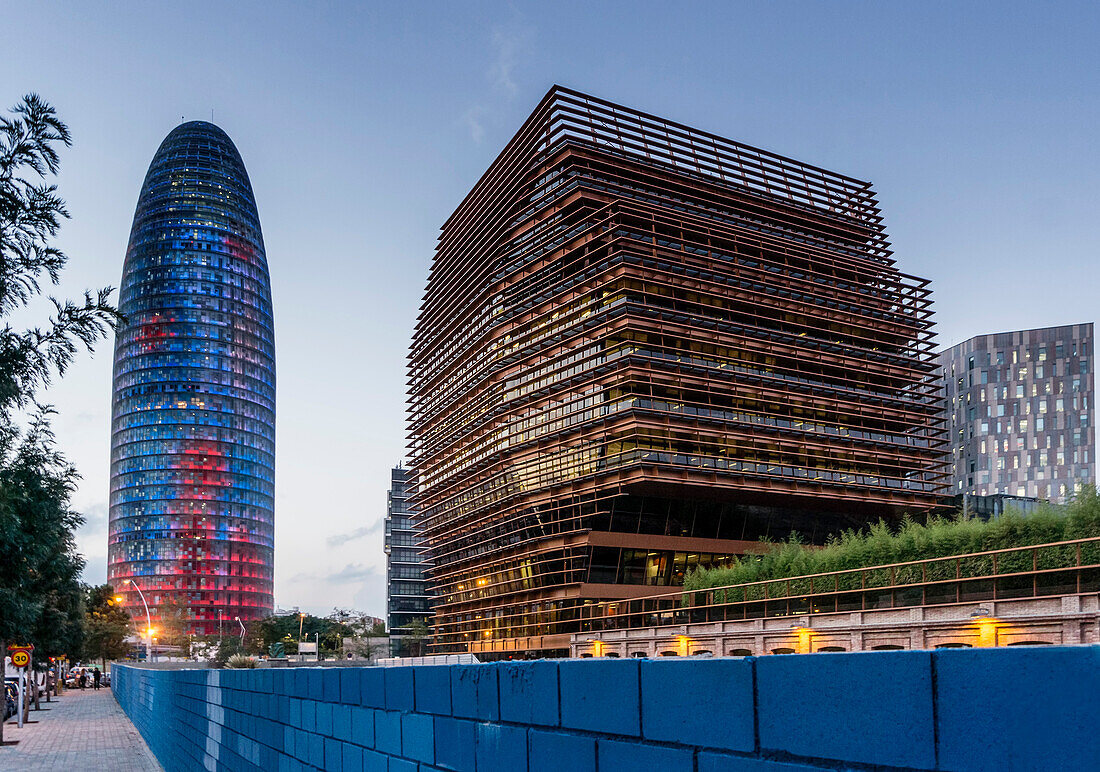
x: 173, y: 625
x: 106, y: 625
x: 358, y: 625
x: 418, y: 631
x: 39, y: 594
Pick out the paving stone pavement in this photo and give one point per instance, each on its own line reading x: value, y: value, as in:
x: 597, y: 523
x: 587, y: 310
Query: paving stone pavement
x: 82, y: 730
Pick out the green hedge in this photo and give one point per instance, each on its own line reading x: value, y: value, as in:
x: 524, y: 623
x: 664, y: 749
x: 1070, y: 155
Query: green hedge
x: 881, y: 544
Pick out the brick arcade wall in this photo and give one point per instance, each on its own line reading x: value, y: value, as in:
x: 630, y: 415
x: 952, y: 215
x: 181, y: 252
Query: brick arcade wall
x: 961, y: 709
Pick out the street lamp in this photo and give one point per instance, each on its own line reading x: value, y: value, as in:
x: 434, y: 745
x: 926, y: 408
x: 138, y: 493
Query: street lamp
x: 242, y: 631
x: 148, y: 621
x: 301, y: 619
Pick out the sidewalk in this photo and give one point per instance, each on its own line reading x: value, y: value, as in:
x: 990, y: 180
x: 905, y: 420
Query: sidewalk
x: 81, y: 730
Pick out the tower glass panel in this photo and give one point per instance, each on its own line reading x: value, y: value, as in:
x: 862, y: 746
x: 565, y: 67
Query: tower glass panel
x: 193, y: 411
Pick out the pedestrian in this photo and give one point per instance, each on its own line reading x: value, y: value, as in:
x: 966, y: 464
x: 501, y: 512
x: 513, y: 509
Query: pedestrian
x: 82, y: 679
x: 96, y: 675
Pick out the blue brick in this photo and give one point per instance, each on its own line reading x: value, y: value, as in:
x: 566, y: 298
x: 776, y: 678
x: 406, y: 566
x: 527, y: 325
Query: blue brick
x: 387, y: 732
x: 308, y: 721
x: 324, y: 717
x: 1018, y: 709
x: 600, y: 695
x: 372, y: 687
x: 334, y: 755
x: 286, y: 764
x: 350, y: 685
x: 418, y: 737
x: 316, y: 749
x: 402, y: 765
x: 374, y: 762
x: 399, y: 688
x: 330, y: 681
x: 362, y: 727
x: 455, y: 739
x: 474, y: 692
x: 352, y: 757
x: 722, y: 762
x: 341, y: 722
x: 501, y: 748
x: 301, y: 681
x: 433, y: 689
x: 529, y: 692
x: 717, y: 716
x: 871, y: 707
x: 621, y: 754
x: 560, y: 752
x: 314, y: 685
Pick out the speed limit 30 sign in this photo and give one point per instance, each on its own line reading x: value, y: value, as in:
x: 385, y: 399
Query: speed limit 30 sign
x: 20, y: 655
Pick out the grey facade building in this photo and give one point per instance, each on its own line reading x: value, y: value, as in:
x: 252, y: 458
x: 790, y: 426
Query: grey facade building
x: 407, y: 597
x: 1019, y: 409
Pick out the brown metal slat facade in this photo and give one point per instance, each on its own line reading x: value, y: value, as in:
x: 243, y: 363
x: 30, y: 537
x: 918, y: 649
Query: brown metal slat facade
x: 641, y: 349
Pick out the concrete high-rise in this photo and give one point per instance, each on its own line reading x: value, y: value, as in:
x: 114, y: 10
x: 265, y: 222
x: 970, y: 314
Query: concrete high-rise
x: 1019, y: 408
x: 643, y: 347
x: 193, y: 414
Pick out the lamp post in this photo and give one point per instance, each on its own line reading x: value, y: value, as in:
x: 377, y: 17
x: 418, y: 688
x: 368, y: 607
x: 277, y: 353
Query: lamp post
x: 242, y: 631
x: 148, y: 621
x: 301, y: 619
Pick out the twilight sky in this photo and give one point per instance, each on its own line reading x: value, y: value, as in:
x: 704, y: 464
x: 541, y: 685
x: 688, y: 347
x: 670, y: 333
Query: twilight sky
x: 363, y: 125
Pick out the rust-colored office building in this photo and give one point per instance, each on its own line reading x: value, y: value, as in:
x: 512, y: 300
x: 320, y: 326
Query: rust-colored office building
x: 641, y: 349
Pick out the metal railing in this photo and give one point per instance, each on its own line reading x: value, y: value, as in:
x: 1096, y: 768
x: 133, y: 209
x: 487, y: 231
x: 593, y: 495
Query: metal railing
x: 1057, y: 568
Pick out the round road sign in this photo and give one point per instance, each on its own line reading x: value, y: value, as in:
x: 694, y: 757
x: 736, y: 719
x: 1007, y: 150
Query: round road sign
x: 20, y: 658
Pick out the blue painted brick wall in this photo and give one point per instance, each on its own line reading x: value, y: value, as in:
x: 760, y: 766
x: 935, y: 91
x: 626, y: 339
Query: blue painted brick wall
x: 872, y: 707
x: 501, y: 748
x: 557, y: 751
x: 529, y: 692
x: 679, y: 705
x: 601, y: 695
x: 474, y: 692
x: 981, y: 709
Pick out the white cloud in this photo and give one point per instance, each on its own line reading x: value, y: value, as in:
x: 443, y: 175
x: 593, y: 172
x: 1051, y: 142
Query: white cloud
x: 508, y: 43
x: 341, y: 538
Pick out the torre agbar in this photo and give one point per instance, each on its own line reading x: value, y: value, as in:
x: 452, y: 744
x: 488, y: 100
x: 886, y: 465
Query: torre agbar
x: 193, y: 415
x: 642, y: 348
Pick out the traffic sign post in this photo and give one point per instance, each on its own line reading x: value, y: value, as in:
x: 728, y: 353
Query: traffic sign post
x: 21, y: 658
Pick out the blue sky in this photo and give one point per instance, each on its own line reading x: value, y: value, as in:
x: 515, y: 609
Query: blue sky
x: 362, y: 127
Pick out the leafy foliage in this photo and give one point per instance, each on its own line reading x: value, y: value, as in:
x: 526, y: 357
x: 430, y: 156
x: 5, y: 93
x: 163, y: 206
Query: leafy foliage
x: 240, y: 661
x: 31, y: 212
x: 222, y: 649
x: 174, y: 623
x: 106, y: 625
x: 39, y: 566
x: 329, y: 632
x: 938, y: 537
x: 40, y: 597
x: 416, y: 633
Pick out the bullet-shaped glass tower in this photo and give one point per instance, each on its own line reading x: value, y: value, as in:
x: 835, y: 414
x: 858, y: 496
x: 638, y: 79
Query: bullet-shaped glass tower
x: 193, y: 413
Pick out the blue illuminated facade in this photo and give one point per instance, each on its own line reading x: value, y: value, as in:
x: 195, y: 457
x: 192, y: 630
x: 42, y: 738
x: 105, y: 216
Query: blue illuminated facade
x: 193, y: 413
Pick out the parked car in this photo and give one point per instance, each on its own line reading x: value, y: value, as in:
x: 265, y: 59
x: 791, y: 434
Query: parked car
x: 11, y: 698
